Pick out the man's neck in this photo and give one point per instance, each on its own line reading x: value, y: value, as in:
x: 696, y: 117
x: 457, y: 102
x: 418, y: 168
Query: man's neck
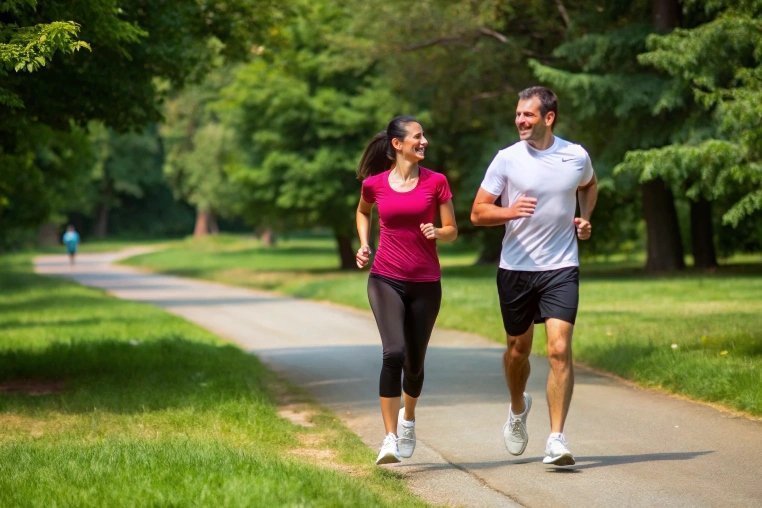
x: 542, y: 144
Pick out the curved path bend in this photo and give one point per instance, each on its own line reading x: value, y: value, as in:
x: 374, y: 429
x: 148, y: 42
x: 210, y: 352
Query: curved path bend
x: 633, y: 447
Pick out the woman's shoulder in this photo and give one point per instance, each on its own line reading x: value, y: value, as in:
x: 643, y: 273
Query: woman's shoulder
x: 425, y: 173
x: 373, y: 180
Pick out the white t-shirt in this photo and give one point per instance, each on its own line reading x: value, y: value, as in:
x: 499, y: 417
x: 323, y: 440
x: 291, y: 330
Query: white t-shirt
x: 546, y: 240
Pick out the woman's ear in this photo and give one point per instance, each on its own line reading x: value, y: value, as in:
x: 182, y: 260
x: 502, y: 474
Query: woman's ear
x: 397, y: 143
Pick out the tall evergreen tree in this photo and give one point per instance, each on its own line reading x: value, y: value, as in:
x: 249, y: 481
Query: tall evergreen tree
x: 598, y: 74
x: 716, y: 160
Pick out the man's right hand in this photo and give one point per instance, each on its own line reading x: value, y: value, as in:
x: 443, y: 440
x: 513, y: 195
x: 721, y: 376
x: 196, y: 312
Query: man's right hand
x: 523, y: 206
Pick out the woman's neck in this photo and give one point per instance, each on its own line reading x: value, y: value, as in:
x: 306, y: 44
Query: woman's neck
x: 406, y: 170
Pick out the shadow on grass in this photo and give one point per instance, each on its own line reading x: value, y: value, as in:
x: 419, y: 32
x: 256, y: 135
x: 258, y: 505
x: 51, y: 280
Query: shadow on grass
x: 52, y: 301
x: 130, y: 377
x: 281, y: 251
x: 61, y: 323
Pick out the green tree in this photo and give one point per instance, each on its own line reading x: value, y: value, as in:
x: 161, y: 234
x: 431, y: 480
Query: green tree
x: 126, y: 165
x: 612, y: 98
x: 304, y: 109
x: 718, y: 158
x: 46, y: 84
x: 199, y: 151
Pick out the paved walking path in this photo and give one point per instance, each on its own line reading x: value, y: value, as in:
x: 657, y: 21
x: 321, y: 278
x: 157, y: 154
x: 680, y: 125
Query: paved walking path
x: 633, y: 447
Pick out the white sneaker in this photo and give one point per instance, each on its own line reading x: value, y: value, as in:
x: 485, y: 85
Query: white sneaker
x: 556, y: 451
x: 389, y: 452
x: 515, y: 428
x: 405, y: 435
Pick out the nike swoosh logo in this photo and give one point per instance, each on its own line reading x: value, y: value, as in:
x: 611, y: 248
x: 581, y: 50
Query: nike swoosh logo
x: 567, y: 160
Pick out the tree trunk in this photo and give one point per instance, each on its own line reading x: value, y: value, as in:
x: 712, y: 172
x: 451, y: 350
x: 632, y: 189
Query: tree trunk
x: 346, y: 252
x: 214, y: 228
x: 101, y: 222
x: 100, y: 230
x: 204, y: 221
x: 663, y: 243
x: 48, y: 235
x: 268, y: 237
x: 666, y: 14
x: 702, y: 235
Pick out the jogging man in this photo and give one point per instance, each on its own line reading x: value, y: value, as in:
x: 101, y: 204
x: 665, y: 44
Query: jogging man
x: 539, y: 181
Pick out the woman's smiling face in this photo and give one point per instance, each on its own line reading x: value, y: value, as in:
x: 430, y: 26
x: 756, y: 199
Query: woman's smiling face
x: 413, y: 146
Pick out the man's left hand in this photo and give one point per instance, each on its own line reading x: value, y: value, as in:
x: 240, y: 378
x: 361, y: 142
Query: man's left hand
x: 584, y: 228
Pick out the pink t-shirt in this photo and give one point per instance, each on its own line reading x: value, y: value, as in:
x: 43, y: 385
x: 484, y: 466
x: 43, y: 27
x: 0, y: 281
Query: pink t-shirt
x: 403, y: 252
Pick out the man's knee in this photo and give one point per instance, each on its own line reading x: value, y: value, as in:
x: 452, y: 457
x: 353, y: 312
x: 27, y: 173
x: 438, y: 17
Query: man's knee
x: 560, y: 350
x: 519, y: 347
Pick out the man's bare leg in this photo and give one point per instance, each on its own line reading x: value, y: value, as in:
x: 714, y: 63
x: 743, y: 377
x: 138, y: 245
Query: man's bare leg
x: 517, y: 368
x: 561, y: 377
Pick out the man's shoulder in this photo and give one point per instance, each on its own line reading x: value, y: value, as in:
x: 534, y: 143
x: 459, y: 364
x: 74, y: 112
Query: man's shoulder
x: 511, y: 151
x: 518, y: 146
x: 571, y: 149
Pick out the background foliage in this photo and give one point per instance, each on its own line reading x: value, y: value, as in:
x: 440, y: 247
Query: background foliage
x: 256, y: 112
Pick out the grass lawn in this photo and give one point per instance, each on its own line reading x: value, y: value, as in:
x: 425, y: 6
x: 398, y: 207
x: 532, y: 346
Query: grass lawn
x: 110, y: 403
x: 697, y: 334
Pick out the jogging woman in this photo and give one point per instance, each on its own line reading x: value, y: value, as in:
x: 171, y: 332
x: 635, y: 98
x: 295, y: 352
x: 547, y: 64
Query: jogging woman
x: 404, y: 282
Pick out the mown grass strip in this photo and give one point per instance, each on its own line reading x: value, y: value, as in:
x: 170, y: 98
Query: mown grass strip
x: 111, y: 403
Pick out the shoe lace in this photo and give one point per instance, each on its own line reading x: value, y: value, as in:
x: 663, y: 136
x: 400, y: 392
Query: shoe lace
x: 515, y: 427
x: 389, y: 440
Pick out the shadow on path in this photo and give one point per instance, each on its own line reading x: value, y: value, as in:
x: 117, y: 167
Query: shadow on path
x: 588, y: 462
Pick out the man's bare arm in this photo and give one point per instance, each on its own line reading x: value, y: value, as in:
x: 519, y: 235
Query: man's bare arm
x: 484, y: 211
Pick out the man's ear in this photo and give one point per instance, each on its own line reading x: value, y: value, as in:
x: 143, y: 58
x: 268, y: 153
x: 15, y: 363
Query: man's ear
x: 550, y: 117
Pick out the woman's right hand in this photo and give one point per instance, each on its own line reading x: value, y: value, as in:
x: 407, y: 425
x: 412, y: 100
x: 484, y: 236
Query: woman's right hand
x: 363, y: 256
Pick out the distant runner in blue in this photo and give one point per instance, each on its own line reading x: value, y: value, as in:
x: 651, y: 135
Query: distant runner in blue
x: 71, y: 240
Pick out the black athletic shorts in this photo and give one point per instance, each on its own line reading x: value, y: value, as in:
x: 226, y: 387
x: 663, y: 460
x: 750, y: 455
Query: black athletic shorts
x: 527, y: 297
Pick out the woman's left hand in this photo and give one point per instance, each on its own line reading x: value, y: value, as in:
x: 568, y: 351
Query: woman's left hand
x: 429, y: 231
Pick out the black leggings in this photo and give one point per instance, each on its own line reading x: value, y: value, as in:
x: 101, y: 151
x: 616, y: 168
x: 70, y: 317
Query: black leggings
x: 405, y: 314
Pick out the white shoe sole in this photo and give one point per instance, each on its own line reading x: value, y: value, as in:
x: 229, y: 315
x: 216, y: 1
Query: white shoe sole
x: 389, y: 458
x: 565, y: 459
